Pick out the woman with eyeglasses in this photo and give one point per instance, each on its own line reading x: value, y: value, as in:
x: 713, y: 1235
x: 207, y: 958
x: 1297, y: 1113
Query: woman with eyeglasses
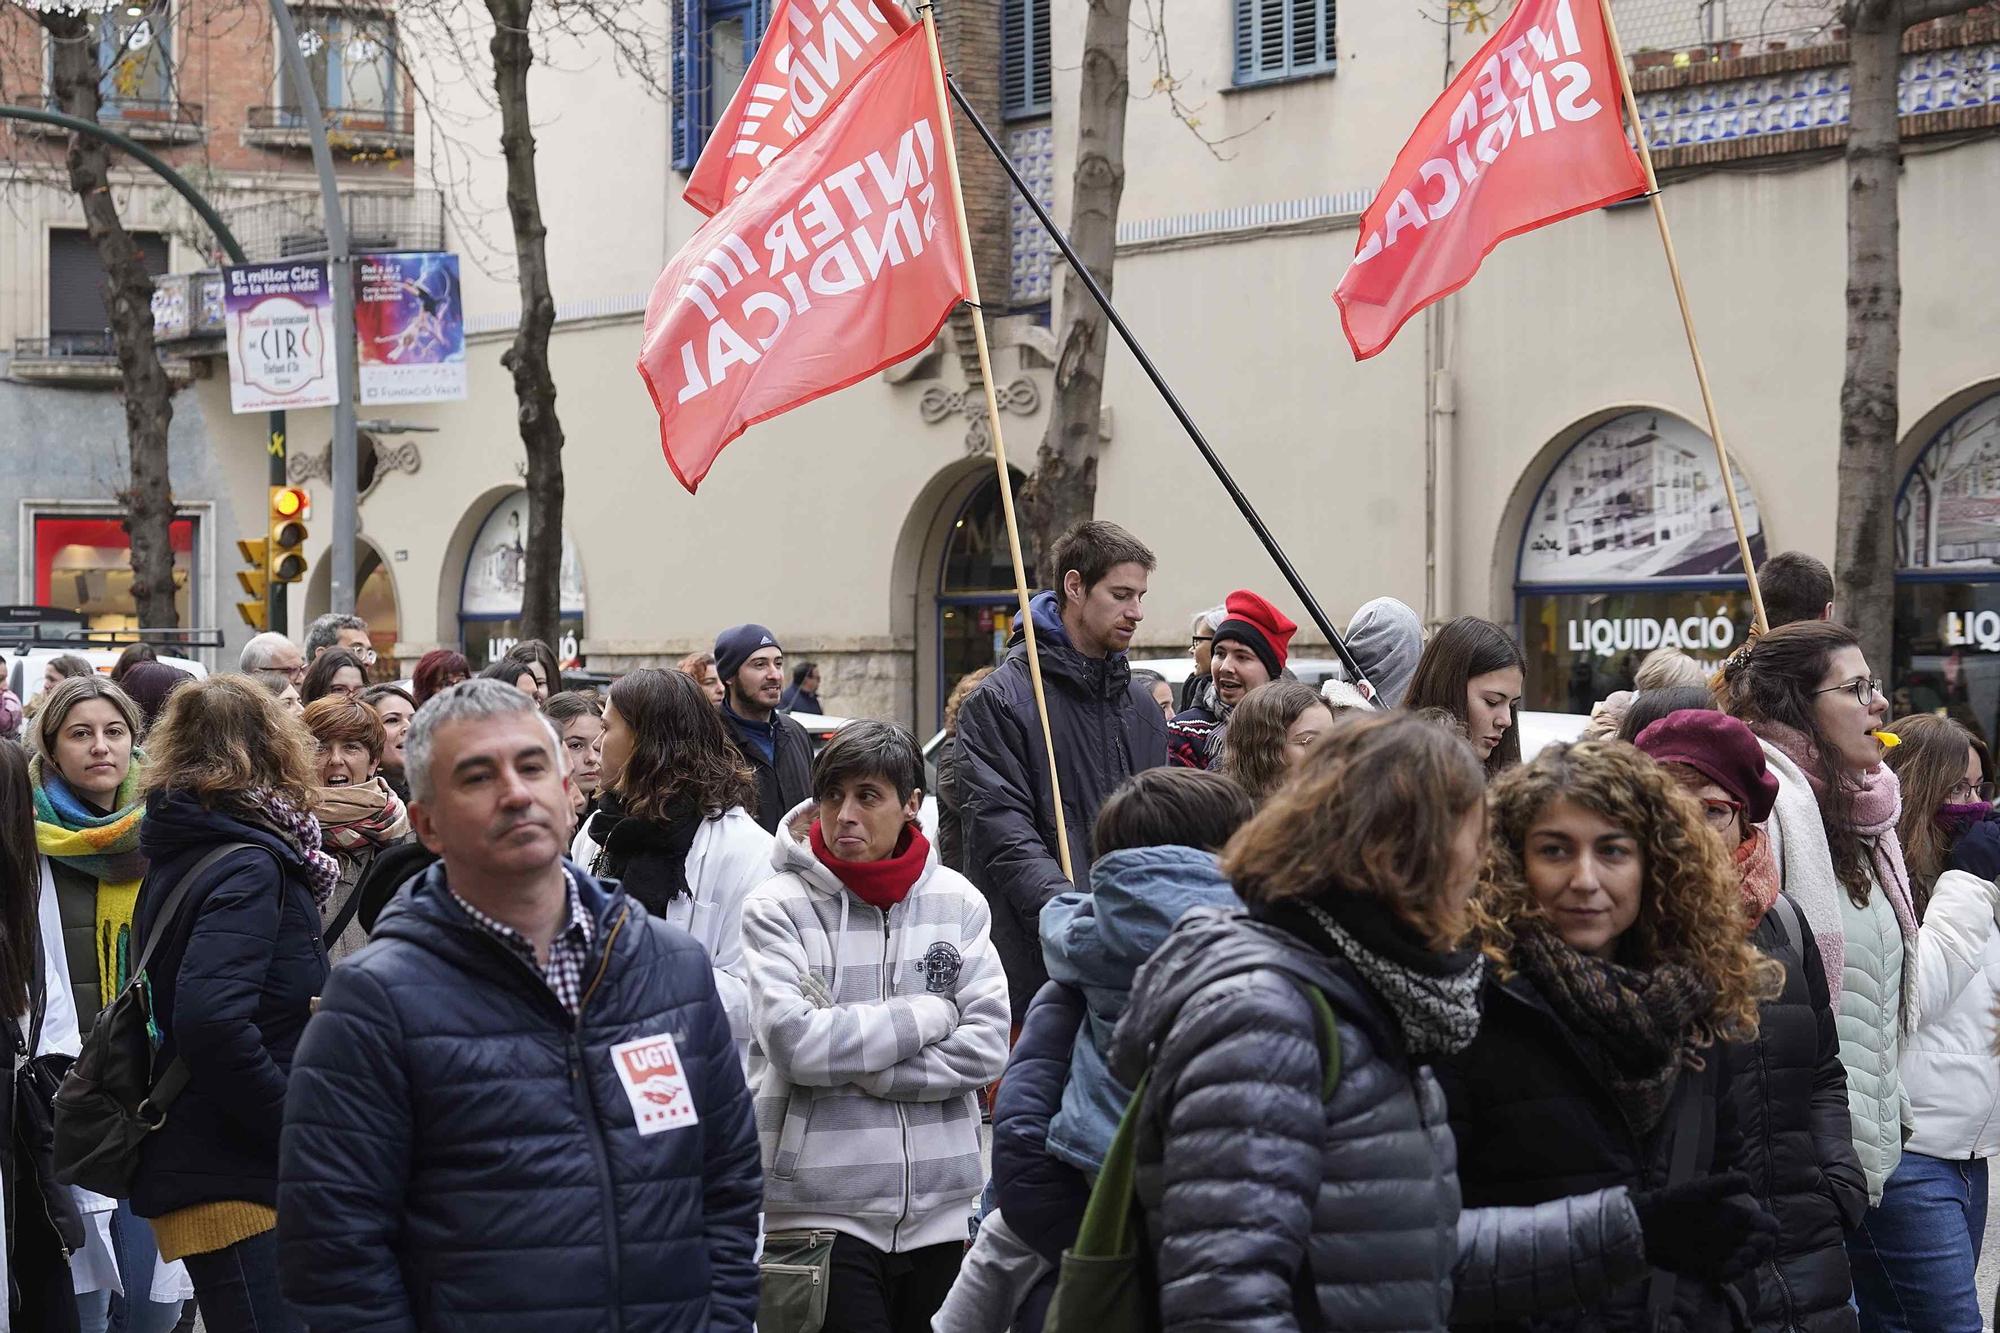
x: 1784, y: 1095
x: 1915, y: 1255
x: 1807, y: 692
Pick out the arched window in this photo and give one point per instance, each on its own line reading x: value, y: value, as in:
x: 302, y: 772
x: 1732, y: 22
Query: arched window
x: 1629, y: 547
x: 1947, y: 638
x: 489, y: 607
x: 975, y: 599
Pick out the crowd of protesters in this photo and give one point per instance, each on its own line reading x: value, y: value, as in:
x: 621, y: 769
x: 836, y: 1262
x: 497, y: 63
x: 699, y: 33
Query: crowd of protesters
x: 482, y: 1003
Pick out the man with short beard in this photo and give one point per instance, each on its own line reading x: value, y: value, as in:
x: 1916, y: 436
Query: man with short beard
x: 779, y: 752
x: 1105, y: 725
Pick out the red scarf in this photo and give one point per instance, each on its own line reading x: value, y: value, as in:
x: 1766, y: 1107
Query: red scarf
x: 1758, y: 866
x: 883, y: 883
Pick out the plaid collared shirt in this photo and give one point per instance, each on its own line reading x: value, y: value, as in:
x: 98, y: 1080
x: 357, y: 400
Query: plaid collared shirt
x: 568, y: 952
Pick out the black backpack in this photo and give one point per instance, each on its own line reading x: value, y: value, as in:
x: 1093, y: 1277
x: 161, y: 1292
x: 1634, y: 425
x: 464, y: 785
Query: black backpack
x: 109, y: 1101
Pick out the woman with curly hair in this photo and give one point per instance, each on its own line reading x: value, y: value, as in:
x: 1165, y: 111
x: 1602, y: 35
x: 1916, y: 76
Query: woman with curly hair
x: 1270, y: 732
x: 1916, y: 1256
x: 232, y: 982
x: 1610, y: 918
x: 1806, y: 690
x: 674, y: 823
x: 700, y: 667
x: 1280, y: 1192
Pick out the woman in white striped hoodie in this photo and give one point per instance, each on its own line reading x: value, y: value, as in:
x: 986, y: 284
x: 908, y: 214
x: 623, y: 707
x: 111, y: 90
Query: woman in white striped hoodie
x: 877, y: 1009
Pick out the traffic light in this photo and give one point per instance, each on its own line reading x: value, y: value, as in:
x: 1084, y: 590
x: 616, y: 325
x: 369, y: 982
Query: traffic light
x: 291, y: 507
x: 255, y: 580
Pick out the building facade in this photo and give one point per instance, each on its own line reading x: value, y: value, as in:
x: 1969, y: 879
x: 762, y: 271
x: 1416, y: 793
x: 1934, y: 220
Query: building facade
x: 1532, y: 452
x: 200, y: 84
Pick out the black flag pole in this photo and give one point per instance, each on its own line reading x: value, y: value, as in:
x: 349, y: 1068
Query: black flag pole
x: 1243, y: 505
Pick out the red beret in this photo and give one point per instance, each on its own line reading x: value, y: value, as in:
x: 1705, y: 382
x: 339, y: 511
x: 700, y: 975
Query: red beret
x: 1721, y: 749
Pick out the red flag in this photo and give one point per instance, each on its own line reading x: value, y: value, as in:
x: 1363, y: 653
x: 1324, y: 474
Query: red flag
x: 1527, y: 134
x: 842, y: 258
x: 811, y: 50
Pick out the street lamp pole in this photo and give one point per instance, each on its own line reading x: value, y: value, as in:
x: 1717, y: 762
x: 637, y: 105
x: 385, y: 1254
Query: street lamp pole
x: 346, y: 505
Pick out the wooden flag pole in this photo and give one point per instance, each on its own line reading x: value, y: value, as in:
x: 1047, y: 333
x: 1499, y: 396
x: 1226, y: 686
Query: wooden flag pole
x: 1687, y: 316
x: 993, y: 425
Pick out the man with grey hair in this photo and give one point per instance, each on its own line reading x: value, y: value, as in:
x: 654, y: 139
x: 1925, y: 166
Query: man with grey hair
x: 520, y: 1100
x: 275, y: 653
x: 1197, y: 688
x: 334, y: 630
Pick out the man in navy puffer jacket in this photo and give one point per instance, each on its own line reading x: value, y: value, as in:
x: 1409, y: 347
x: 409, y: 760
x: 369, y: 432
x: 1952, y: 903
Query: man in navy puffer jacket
x: 518, y: 1109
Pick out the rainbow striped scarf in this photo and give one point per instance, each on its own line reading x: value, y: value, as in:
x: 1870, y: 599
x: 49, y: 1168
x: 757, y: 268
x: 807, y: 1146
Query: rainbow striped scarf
x: 105, y: 847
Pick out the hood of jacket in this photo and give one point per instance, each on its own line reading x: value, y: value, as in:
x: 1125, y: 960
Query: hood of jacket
x: 1207, y: 946
x: 1097, y: 940
x: 177, y: 825
x: 1101, y: 677
x: 792, y: 854
x: 1387, y: 639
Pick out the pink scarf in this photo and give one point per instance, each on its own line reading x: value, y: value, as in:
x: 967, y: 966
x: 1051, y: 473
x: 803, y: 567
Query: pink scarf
x: 1878, y: 805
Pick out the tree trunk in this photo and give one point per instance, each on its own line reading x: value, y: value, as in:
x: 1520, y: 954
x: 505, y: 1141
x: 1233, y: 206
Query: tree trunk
x: 528, y: 358
x: 1864, y: 543
x: 1063, y: 491
x: 148, y: 499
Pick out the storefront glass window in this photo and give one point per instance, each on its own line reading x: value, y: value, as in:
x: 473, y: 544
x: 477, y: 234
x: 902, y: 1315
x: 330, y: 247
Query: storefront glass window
x: 1947, y: 638
x: 83, y: 563
x: 489, y: 610
x: 1629, y: 547
x: 976, y: 601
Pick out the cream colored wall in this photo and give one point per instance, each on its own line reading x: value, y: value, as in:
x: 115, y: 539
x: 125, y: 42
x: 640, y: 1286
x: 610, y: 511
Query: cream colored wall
x: 807, y: 522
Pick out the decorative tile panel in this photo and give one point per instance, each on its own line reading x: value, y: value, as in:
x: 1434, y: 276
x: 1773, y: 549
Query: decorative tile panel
x: 1031, y: 254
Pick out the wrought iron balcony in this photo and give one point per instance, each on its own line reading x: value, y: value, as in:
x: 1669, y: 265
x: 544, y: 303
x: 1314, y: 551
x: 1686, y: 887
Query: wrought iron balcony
x: 148, y: 120
x: 376, y: 220
x: 349, y: 129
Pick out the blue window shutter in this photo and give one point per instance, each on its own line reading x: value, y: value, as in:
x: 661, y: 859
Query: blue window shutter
x: 760, y: 19
x: 1025, y: 82
x: 1278, y: 39
x: 685, y: 15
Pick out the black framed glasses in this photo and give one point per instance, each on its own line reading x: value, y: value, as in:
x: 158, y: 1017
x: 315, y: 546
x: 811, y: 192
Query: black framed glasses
x: 1865, y: 689
x: 1200, y: 639
x: 1965, y: 793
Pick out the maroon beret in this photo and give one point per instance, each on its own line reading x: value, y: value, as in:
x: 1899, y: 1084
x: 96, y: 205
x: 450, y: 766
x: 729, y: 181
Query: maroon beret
x: 1721, y: 749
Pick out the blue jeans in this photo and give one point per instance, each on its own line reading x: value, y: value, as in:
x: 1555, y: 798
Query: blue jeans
x: 237, y: 1288
x: 137, y: 1256
x: 1915, y: 1253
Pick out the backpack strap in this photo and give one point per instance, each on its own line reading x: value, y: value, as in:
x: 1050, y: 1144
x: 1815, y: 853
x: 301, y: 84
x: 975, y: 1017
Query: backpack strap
x: 175, y: 1078
x: 1791, y: 923
x: 1680, y: 1170
x: 1329, y: 1036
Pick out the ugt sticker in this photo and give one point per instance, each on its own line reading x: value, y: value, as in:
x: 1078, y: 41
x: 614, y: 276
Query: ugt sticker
x: 655, y: 1083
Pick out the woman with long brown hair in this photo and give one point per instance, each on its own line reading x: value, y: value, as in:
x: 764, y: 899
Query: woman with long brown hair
x: 232, y: 982
x: 1807, y: 692
x: 1272, y: 1198
x: 1270, y: 732
x: 1916, y: 1254
x: 1474, y: 669
x: 1610, y: 918
x: 674, y: 821
x: 950, y: 810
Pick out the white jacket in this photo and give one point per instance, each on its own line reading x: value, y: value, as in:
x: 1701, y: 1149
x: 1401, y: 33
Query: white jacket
x: 731, y: 855
x: 1949, y: 1065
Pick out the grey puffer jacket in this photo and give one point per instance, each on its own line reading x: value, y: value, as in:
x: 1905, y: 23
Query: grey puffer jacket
x: 1258, y: 1193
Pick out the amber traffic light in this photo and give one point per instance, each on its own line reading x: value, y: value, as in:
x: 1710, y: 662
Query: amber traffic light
x: 291, y: 507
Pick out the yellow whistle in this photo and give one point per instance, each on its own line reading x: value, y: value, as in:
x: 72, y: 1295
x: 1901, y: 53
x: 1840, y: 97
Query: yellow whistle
x: 1890, y: 740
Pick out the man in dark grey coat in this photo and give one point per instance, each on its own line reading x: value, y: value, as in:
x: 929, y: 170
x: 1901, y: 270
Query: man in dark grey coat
x: 1105, y: 725
x: 779, y: 752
